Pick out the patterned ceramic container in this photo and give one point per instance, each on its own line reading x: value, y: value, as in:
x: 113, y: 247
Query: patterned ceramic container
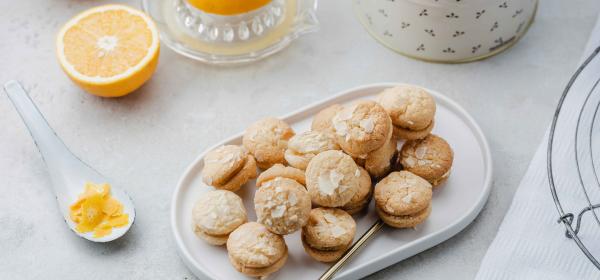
x: 446, y: 30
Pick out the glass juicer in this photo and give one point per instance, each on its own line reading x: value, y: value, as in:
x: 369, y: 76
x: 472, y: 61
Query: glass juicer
x: 231, y: 31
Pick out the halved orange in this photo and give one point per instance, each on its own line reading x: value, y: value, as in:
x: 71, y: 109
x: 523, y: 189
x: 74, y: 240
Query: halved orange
x: 109, y: 50
x: 228, y: 7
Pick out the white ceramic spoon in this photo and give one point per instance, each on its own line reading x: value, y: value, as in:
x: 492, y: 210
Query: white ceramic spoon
x: 67, y: 172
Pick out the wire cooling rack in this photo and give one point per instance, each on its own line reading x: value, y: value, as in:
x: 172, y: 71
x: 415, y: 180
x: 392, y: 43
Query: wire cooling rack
x: 573, y: 162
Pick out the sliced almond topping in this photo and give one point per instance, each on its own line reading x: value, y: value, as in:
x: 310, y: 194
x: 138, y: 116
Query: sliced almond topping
x: 340, y: 128
x: 278, y: 211
x: 338, y: 231
x: 423, y: 162
x: 330, y: 218
x: 325, y: 185
x: 420, y: 152
x: 408, y: 198
x: 410, y: 162
x: 367, y: 124
x: 336, y: 177
x: 293, y: 199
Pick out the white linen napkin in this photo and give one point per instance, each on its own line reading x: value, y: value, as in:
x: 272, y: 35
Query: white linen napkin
x: 530, y: 244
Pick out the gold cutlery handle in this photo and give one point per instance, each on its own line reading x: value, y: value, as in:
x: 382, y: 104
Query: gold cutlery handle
x: 352, y: 250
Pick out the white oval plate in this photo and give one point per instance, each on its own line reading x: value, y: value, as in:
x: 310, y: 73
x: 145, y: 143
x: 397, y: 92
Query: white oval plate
x: 455, y: 204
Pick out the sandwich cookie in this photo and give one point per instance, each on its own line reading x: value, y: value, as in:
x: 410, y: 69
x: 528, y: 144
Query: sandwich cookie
x: 403, y: 199
x: 332, y: 179
x: 279, y: 170
x: 430, y: 158
x: 228, y: 167
x: 267, y: 140
x: 216, y: 214
x: 282, y: 205
x: 412, y: 110
x: 255, y: 251
x: 328, y: 234
x: 304, y: 146
x: 362, y: 128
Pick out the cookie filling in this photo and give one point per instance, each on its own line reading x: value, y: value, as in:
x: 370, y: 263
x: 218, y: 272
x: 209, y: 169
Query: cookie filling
x: 325, y: 249
x: 234, y: 173
x: 263, y: 270
x: 355, y: 207
x: 416, y: 214
x: 414, y: 130
x: 441, y: 179
x: 199, y: 230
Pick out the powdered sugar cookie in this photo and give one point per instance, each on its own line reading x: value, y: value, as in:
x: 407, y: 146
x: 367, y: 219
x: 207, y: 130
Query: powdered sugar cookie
x: 255, y: 251
x: 362, y: 128
x: 328, y: 233
x: 228, y: 167
x: 430, y: 158
x: 279, y: 170
x: 411, y: 109
x: 332, y: 178
x: 267, y: 140
x: 216, y: 214
x: 304, y: 146
x: 402, y: 199
x: 282, y: 205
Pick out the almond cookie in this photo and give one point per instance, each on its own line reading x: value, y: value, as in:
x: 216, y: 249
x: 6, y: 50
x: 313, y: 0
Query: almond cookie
x: 304, y: 146
x: 328, y: 233
x: 362, y: 128
x: 255, y: 251
x: 407, y: 134
x: 267, y: 140
x: 403, y: 199
x: 332, y: 178
x: 379, y: 162
x: 431, y: 158
x: 411, y: 108
x: 228, y: 167
x: 322, y: 120
x: 361, y: 199
x: 282, y: 205
x: 279, y: 170
x: 216, y: 214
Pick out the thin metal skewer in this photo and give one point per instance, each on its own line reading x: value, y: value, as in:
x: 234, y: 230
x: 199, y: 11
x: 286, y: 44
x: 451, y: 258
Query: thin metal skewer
x: 352, y: 250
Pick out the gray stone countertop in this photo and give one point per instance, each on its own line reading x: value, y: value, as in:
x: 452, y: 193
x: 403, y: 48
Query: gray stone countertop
x: 145, y: 140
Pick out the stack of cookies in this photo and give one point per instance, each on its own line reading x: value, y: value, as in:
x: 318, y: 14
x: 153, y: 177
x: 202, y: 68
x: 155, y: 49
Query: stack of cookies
x: 313, y: 182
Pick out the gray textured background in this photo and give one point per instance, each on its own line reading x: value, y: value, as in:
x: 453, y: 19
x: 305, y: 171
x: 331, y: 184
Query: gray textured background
x: 145, y: 140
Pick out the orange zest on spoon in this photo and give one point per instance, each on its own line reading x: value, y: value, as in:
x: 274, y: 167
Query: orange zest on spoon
x: 96, y: 210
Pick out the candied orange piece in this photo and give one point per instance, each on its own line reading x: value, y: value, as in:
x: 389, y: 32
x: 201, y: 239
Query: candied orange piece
x: 110, y: 206
x: 96, y: 210
x: 102, y: 230
x: 91, y: 210
x: 119, y: 221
